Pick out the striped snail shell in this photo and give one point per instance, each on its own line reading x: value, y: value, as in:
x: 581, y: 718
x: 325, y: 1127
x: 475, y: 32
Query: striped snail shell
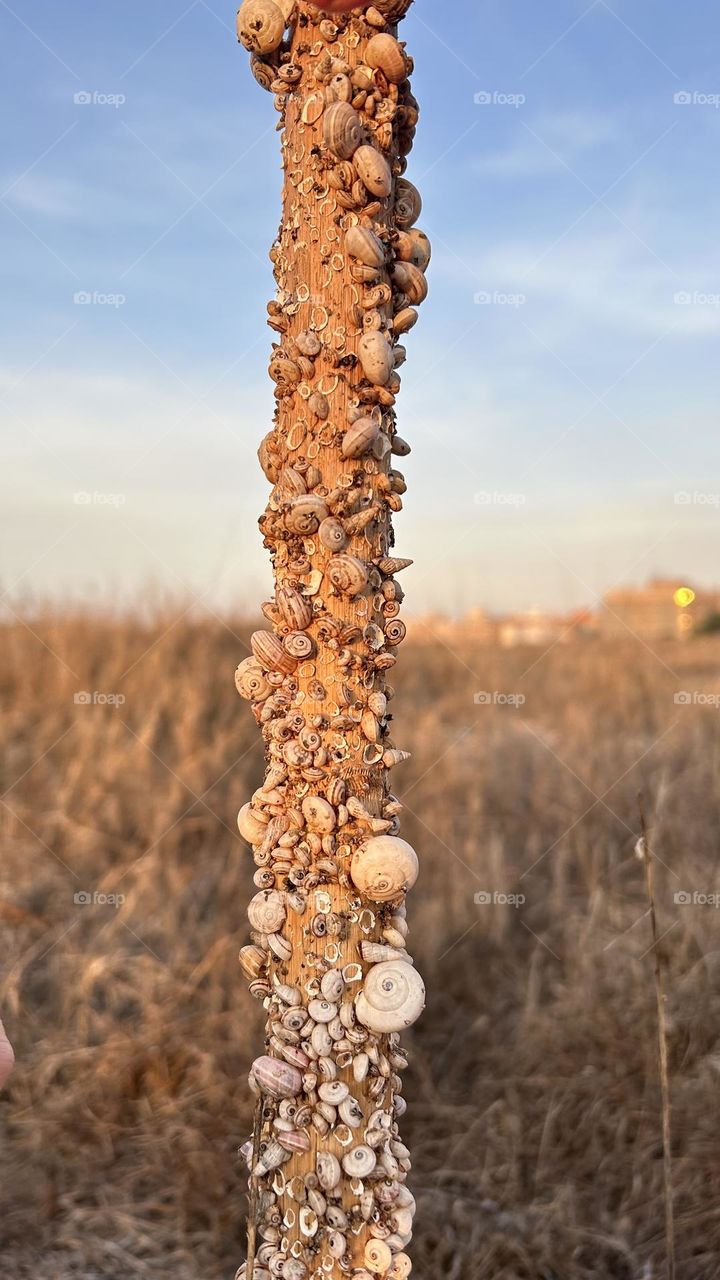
x: 405, y: 320
x: 277, y: 1078
x: 260, y: 25
x: 408, y: 204
x: 373, y: 170
x: 267, y: 911
x: 385, y: 53
x: 384, y: 867
x: 342, y: 130
x: 360, y: 438
x: 332, y: 535
x: 300, y: 645
x: 395, y: 632
x: 392, y: 998
x: 250, y: 681
x: 347, y: 574
x: 411, y: 281
x: 328, y: 1170
x: 253, y: 962
x: 271, y: 655
x: 263, y: 72
x: 296, y: 609
x: 363, y: 244
x: 376, y: 358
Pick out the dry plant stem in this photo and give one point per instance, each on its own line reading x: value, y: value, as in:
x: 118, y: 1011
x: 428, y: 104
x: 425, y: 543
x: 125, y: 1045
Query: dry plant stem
x: 646, y: 855
x: 328, y: 955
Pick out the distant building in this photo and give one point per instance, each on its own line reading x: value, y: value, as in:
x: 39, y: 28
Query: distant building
x: 664, y: 609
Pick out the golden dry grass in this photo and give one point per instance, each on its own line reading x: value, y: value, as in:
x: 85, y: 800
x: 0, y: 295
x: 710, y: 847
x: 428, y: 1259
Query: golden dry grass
x: 534, y: 1109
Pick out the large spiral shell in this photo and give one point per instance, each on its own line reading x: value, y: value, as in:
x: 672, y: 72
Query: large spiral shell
x: 392, y: 998
x: 250, y: 681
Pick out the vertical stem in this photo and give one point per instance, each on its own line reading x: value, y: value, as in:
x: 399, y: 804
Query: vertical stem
x: 646, y: 856
x: 328, y: 955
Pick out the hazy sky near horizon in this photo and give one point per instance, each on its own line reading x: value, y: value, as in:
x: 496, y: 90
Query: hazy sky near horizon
x: 561, y: 389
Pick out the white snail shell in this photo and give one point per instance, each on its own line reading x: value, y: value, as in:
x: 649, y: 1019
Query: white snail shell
x: 360, y: 438
x: 378, y: 1256
x: 384, y: 867
x: 376, y: 357
x: 392, y: 998
x: 250, y: 826
x: 360, y: 1162
x: 267, y: 911
x: 250, y: 681
x: 363, y: 244
x: 373, y: 170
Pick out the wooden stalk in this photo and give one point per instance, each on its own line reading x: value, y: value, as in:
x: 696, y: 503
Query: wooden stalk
x: 328, y: 955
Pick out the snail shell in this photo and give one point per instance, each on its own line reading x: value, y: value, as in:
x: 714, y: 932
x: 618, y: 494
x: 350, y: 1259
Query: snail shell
x: 385, y: 53
x: 401, y: 1267
x: 414, y: 246
x: 342, y: 130
x: 360, y: 438
x: 332, y: 535
x: 384, y: 867
x: 328, y: 1170
x: 363, y: 244
x: 305, y: 511
x: 405, y: 320
x: 299, y: 645
x: 408, y: 204
x: 376, y: 358
x: 296, y: 610
x: 260, y: 25
x: 267, y: 911
x: 359, y: 1163
x: 411, y: 281
x: 250, y: 681
x: 378, y: 1257
x: 373, y: 170
x: 263, y: 72
x: 270, y: 653
x: 250, y: 826
x: 393, y: 564
x: 319, y: 814
x: 276, y: 1077
x: 347, y: 574
x: 253, y: 962
x: 392, y: 998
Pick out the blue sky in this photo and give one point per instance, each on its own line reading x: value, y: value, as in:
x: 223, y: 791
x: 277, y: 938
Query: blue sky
x: 562, y: 385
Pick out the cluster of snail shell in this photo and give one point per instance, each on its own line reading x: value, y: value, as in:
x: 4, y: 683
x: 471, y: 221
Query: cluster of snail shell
x: 330, y: 865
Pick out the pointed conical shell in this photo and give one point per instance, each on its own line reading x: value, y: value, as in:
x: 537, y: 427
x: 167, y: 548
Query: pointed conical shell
x: 373, y: 170
x: 376, y: 358
x: 260, y: 25
x: 342, y: 130
x: 393, y: 564
x: 384, y: 867
x: 363, y: 244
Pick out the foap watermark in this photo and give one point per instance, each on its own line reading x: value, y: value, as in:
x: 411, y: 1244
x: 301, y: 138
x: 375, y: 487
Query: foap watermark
x: 496, y: 899
x: 499, y: 98
x: 696, y: 298
x: 96, y: 499
x: 86, y: 898
x: 98, y: 98
x: 696, y: 698
x: 684, y: 498
x: 684, y: 898
x: 498, y: 699
x: 94, y: 298
x: 696, y: 98
x: 97, y: 699
x: 498, y: 498
x: 496, y: 298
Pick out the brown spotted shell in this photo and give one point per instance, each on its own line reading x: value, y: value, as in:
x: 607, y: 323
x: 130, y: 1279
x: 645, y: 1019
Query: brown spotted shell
x: 348, y: 574
x: 408, y: 204
x: 260, y: 25
x: 411, y: 281
x: 363, y: 244
x: 360, y: 438
x: 342, y: 130
x: 373, y: 170
x: 270, y: 653
x: 376, y: 358
x: 385, y: 53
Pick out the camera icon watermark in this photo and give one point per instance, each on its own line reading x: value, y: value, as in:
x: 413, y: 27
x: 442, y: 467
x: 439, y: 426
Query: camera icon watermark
x: 86, y: 898
x: 495, y: 498
x: 696, y: 298
x: 96, y: 98
x: 495, y: 899
x: 685, y: 498
x: 96, y: 499
x: 497, y: 298
x: 683, y: 898
x: 695, y: 98
x: 498, y: 699
x: 498, y: 98
x: 85, y: 699
x: 94, y: 298
x: 696, y: 698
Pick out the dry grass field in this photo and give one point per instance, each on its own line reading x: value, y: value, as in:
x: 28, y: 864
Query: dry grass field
x: 534, y: 1106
